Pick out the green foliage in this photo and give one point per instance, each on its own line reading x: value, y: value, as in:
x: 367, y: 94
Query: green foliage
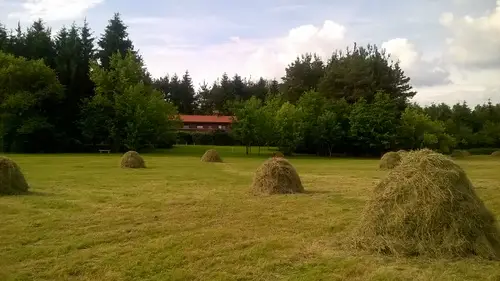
x: 29, y: 90
x: 373, y: 127
x: 418, y: 130
x: 125, y: 112
x: 287, y: 128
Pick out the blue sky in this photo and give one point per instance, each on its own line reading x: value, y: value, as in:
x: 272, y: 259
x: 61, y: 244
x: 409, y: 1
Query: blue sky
x: 450, y: 48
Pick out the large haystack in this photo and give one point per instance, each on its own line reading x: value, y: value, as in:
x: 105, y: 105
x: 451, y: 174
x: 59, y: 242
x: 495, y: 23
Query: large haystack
x: 277, y: 176
x: 211, y: 155
x: 390, y: 160
x: 496, y: 153
x: 132, y: 159
x: 12, y: 180
x: 427, y: 206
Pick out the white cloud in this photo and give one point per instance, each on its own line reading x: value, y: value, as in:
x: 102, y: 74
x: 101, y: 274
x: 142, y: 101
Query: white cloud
x: 423, y: 72
x: 53, y: 10
x: 476, y: 41
x: 263, y: 57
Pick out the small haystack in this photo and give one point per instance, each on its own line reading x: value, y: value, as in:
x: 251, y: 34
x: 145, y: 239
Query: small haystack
x: 277, y: 176
x: 12, y: 180
x: 390, y: 160
x: 132, y: 159
x: 460, y: 153
x: 278, y: 154
x: 427, y: 206
x: 496, y: 153
x: 211, y: 155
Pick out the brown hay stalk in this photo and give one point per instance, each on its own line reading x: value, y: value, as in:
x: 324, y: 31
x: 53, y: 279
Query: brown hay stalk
x: 211, y: 155
x: 12, y: 180
x: 276, y: 176
x: 427, y: 206
x: 278, y: 154
x: 132, y: 159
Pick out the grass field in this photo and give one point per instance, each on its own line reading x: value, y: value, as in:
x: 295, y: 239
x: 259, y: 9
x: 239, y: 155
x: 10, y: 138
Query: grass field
x: 180, y: 219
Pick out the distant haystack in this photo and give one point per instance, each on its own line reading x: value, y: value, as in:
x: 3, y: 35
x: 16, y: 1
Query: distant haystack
x: 211, y: 155
x: 390, y: 160
x: 460, y: 153
x: 132, y: 159
x: 277, y: 176
x: 496, y: 153
x: 427, y: 206
x: 12, y: 180
x: 278, y: 154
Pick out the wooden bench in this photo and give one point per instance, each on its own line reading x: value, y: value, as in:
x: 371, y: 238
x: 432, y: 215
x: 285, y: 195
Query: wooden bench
x: 104, y: 150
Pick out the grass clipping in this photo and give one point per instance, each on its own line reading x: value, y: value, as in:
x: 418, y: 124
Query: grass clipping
x: 390, y: 160
x: 211, y: 155
x: 132, y: 159
x: 12, y: 180
x: 276, y: 176
x: 427, y: 206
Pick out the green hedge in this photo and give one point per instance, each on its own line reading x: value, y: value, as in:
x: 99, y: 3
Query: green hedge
x: 210, y: 138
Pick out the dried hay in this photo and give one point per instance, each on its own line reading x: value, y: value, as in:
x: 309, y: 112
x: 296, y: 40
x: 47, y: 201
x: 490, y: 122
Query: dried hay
x: 12, y: 180
x: 132, y: 159
x: 390, y: 160
x: 277, y: 176
x: 496, y: 153
x: 460, y: 153
x: 211, y: 155
x: 427, y: 206
x: 278, y: 154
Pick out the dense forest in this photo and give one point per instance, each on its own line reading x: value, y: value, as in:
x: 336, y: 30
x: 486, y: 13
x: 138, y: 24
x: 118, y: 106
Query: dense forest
x: 74, y: 92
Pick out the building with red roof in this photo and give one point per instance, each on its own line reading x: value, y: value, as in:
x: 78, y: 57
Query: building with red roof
x: 206, y: 122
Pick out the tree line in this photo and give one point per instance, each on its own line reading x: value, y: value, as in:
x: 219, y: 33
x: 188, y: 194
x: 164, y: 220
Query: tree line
x: 75, y: 92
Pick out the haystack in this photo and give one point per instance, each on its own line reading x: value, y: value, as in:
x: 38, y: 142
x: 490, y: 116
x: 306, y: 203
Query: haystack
x: 211, y: 155
x: 390, y: 160
x: 278, y: 154
x: 427, y: 206
x: 496, y: 153
x: 12, y: 180
x: 277, y: 176
x: 132, y: 159
x: 460, y: 153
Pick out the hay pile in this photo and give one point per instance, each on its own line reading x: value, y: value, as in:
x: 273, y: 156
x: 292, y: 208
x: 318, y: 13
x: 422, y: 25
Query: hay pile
x: 276, y: 176
x: 211, y: 155
x: 12, y: 180
x: 427, y: 206
x: 460, y: 153
x: 278, y: 154
x: 390, y: 160
x: 496, y: 153
x: 132, y: 159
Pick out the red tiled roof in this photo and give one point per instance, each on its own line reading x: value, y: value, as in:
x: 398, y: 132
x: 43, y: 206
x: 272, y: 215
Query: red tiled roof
x: 206, y: 119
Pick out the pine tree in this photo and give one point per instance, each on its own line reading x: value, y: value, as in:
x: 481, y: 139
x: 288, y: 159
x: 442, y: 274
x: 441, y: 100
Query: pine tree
x: 87, y: 54
x: 187, y: 95
x: 39, y: 43
x: 115, y: 39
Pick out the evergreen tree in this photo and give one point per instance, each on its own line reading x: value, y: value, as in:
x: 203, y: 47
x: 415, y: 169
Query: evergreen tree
x: 187, y: 95
x: 39, y: 43
x: 115, y: 39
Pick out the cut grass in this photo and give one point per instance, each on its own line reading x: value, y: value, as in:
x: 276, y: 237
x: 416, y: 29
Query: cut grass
x: 178, y: 219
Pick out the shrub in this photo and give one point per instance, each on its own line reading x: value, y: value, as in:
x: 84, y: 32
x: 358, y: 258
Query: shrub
x: 428, y: 206
x: 132, y: 159
x: 211, y: 155
x: 389, y: 160
x: 276, y: 176
x: 12, y: 180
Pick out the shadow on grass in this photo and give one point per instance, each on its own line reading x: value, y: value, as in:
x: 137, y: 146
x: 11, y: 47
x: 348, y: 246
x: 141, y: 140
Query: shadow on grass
x: 308, y: 191
x: 27, y: 193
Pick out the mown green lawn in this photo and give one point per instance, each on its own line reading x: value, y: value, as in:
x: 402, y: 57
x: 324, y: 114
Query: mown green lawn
x: 180, y: 219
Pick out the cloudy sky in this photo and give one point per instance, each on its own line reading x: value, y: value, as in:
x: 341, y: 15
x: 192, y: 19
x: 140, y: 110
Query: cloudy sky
x: 450, y: 48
